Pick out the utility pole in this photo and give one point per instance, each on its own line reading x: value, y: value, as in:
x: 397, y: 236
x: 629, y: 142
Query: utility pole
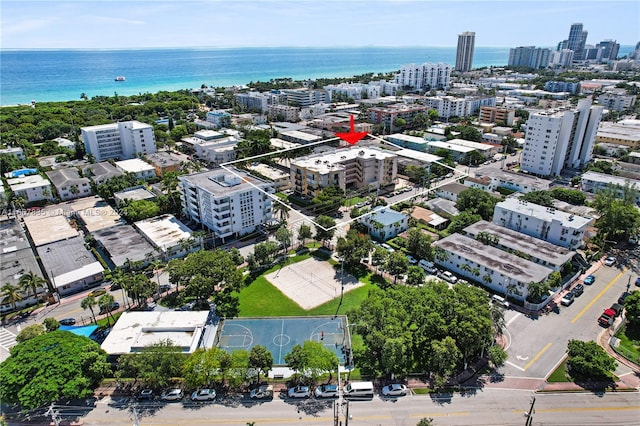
x: 529, y: 414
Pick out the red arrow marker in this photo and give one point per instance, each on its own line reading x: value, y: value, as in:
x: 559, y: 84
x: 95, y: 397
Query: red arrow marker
x: 352, y: 136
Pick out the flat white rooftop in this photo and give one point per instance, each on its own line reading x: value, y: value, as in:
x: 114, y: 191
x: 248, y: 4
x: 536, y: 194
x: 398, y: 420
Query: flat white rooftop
x: 610, y: 179
x: 337, y: 158
x: 296, y: 134
x: 136, y: 330
x: 417, y: 155
x: 26, y: 182
x: 48, y: 225
x: 135, y: 165
x: 547, y: 214
x: 164, y: 231
x: 471, y: 144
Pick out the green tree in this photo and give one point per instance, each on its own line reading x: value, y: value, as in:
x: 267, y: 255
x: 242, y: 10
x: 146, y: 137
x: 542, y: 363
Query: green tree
x: 497, y: 356
x: 52, y: 366
x: 10, y: 294
x: 260, y: 359
x: 396, y: 265
x: 461, y: 221
x: 281, y: 211
x: 105, y: 302
x: 51, y: 324
x: 29, y: 332
x: 155, y: 365
x: 324, y: 229
x: 353, y: 247
x: 304, y: 233
x: 588, y: 360
x: 537, y: 292
x: 139, y: 210
x: 89, y: 302
x: 632, y: 308
x: 283, y: 236
x: 425, y: 422
x: 445, y: 356
x: 419, y: 244
x: 542, y: 198
x: 204, y: 366
x: 296, y: 359
x: 415, y: 275
x: 264, y: 253
x: 619, y: 217
x: 239, y: 369
x: 475, y: 200
x: 32, y: 282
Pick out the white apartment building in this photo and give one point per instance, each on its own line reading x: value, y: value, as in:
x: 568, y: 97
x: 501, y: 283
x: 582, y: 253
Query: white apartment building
x: 137, y: 167
x: 356, y: 167
x: 305, y: 97
x: 616, y: 101
x: 556, y: 140
x: 492, y: 267
x: 219, y: 118
x: 226, y: 203
x: 546, y: 223
x: 447, y: 106
x: 425, y: 77
x: 16, y: 151
x: 284, y: 113
x: 122, y: 140
x: 212, y: 146
x: 593, y: 182
x: 31, y: 188
x: 69, y: 184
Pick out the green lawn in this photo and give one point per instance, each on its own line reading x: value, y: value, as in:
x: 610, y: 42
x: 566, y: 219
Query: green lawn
x: 559, y: 375
x: 263, y: 299
x: 629, y: 344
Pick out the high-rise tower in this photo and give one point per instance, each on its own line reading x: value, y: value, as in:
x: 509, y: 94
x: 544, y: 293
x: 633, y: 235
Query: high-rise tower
x: 464, y: 54
x: 577, y: 40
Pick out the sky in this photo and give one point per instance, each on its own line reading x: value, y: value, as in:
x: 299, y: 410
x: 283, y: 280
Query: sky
x: 119, y: 24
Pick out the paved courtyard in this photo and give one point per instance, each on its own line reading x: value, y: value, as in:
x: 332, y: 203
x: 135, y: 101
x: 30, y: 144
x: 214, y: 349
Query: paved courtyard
x: 311, y: 282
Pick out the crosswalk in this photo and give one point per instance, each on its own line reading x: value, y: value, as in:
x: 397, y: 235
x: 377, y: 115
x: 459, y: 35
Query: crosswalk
x: 7, y: 339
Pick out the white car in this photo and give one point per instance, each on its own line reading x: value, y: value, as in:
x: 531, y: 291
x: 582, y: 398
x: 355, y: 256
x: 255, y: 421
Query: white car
x: 262, y: 392
x: 449, y: 277
x: 396, y: 389
x: 610, y: 261
x: 204, y: 395
x: 412, y: 260
x: 327, y: 391
x: 172, y: 395
x: 299, y: 392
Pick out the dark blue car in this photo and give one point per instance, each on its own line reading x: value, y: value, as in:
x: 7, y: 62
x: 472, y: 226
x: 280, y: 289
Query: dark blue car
x: 590, y: 280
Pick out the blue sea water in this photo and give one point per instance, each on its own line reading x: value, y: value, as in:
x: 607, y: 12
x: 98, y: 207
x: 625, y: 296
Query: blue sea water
x: 62, y: 75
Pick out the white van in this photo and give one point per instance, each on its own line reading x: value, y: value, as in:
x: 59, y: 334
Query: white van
x: 499, y: 300
x: 428, y: 267
x: 358, y: 390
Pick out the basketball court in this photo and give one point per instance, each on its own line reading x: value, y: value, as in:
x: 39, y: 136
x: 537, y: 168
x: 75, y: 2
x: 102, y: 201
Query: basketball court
x: 280, y: 334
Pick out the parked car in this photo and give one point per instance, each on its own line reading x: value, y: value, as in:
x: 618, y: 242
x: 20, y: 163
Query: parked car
x: 610, y: 261
x: 97, y: 292
x: 115, y: 286
x: 262, y: 392
x: 449, y: 277
x: 578, y: 290
x: 567, y: 299
x: 623, y: 297
x: 164, y: 288
x: 114, y: 307
x: 67, y: 321
x: 638, y: 281
x: 174, y: 394
x: 145, y: 394
x: 412, y: 260
x: 299, y: 392
x: 204, y: 395
x: 327, y: 391
x: 395, y: 389
x: 590, y: 280
x: 607, y: 317
x: 617, y: 308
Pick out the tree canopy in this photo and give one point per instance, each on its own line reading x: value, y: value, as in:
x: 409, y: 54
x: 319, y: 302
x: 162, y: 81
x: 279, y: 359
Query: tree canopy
x: 155, y: 365
x: 475, y: 200
x: 51, y: 366
x: 398, y: 323
x: 589, y: 360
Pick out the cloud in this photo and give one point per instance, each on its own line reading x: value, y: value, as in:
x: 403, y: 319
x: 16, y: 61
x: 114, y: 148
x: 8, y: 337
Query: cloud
x: 116, y: 20
x: 22, y: 26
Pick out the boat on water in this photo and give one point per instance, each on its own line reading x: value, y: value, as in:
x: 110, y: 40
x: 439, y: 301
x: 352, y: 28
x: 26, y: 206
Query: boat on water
x: 120, y: 78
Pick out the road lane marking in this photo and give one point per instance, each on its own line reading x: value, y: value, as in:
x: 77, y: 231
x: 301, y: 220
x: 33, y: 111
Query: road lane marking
x: 513, y: 319
x: 513, y: 365
x: 538, y: 355
x: 580, y: 409
x: 595, y: 299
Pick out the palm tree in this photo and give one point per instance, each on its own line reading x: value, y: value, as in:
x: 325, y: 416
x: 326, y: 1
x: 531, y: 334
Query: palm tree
x: 88, y: 303
x: 281, y: 210
x: 33, y: 282
x: 155, y: 267
x: 10, y: 294
x: 106, y: 302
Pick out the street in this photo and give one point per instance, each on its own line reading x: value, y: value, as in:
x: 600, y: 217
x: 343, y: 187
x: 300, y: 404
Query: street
x: 475, y: 407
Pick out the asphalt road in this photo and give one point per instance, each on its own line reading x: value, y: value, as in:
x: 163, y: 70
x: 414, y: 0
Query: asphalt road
x: 484, y: 407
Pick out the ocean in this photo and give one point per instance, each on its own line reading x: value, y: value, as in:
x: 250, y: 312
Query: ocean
x: 63, y: 75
